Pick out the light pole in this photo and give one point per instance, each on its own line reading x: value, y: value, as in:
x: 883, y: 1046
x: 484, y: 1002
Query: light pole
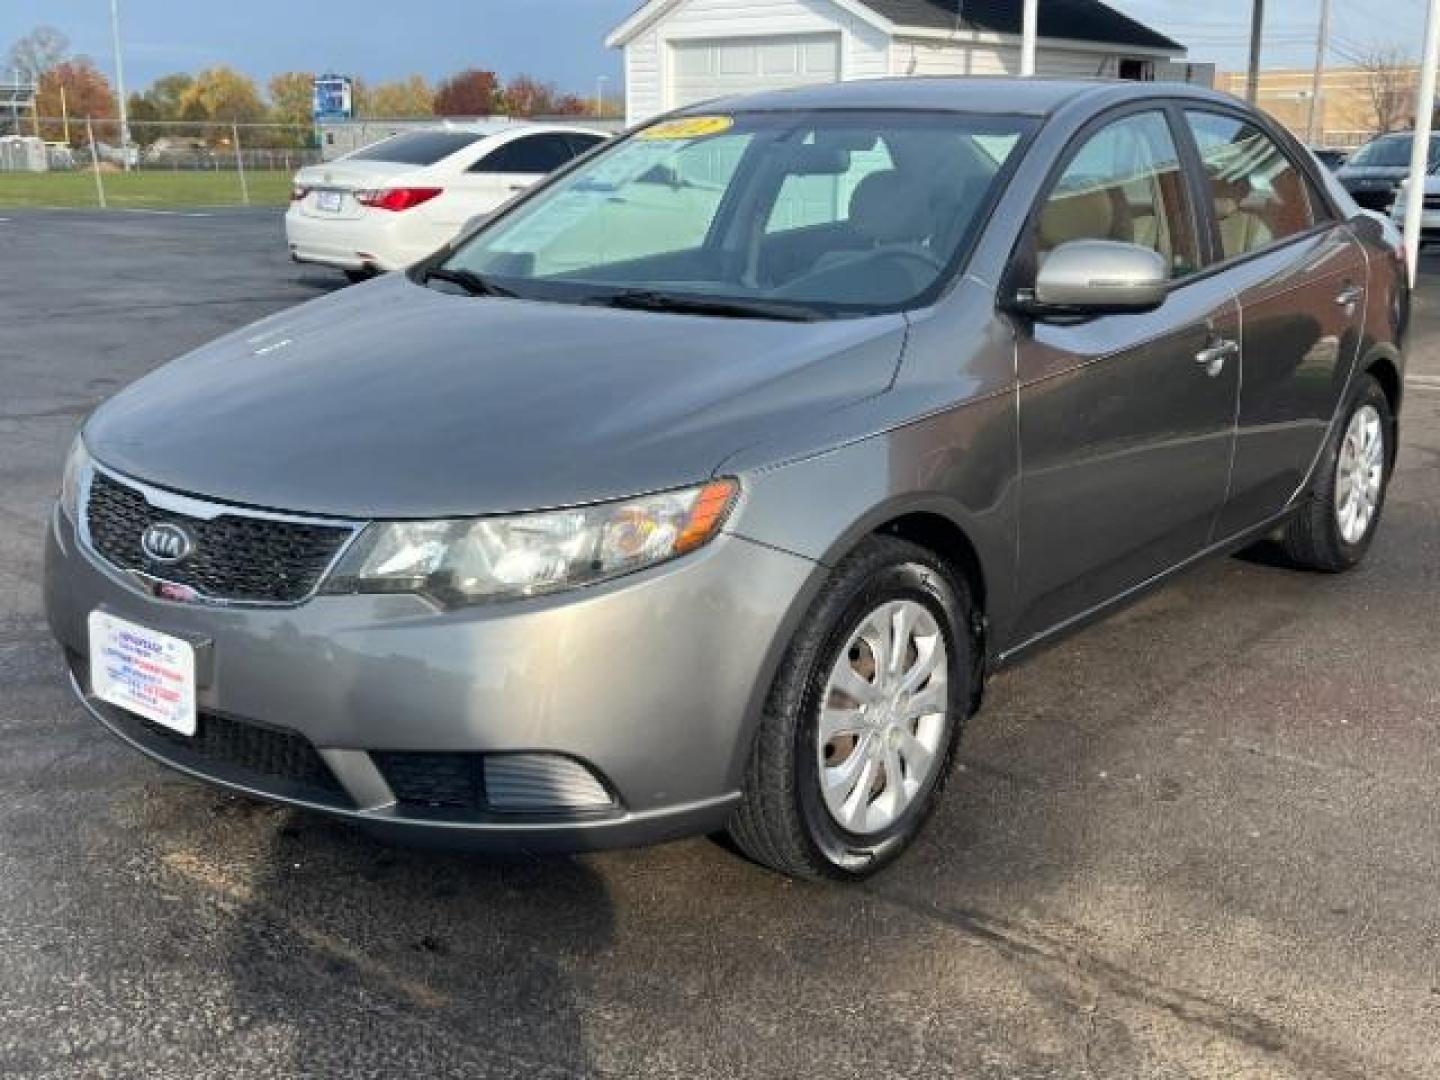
x: 1257, y: 33
x: 600, y: 94
x: 120, y: 85
x: 1420, y: 145
x: 1029, y: 32
x: 1314, y: 130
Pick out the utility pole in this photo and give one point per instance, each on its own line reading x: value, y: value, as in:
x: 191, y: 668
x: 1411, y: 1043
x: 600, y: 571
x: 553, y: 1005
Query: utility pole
x: 120, y: 86
x: 1257, y: 32
x: 1314, y: 130
x: 600, y: 82
x: 64, y: 115
x: 1420, y: 143
x: 1029, y: 32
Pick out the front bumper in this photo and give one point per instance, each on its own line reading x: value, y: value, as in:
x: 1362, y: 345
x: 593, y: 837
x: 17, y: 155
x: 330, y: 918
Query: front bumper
x: 652, y: 682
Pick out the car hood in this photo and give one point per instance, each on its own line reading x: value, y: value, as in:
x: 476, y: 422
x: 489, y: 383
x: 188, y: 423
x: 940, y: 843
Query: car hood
x: 394, y: 400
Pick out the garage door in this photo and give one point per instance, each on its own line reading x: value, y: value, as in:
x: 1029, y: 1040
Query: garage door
x: 714, y: 68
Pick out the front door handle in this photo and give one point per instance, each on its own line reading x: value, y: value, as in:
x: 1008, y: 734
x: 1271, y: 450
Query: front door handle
x: 1213, y: 358
x: 1348, y: 297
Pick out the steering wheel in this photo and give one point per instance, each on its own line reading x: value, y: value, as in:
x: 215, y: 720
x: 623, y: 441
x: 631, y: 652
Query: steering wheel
x: 932, y: 266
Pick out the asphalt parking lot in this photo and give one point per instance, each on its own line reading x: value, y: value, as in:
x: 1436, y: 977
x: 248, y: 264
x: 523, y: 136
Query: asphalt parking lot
x: 1199, y: 840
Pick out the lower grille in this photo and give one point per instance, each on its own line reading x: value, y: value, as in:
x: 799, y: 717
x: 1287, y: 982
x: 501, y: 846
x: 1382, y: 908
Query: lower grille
x: 470, y: 783
x: 236, y: 556
x: 434, y: 781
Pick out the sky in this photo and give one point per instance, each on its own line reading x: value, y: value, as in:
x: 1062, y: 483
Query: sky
x: 562, y: 41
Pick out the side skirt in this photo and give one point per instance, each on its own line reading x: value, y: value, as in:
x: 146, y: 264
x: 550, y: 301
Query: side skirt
x: 1075, y: 623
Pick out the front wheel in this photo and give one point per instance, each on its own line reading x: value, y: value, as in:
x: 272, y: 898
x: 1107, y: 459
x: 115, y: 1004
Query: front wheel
x: 1334, y: 530
x: 862, y: 721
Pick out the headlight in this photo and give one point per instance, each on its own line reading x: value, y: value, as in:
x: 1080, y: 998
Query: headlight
x: 71, y: 485
x: 500, y: 558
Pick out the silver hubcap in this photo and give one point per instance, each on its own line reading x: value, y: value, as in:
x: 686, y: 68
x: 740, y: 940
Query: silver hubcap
x: 1360, y: 474
x: 882, y: 717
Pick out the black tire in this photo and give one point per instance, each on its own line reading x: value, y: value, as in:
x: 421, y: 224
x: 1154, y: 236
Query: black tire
x: 355, y: 277
x: 1312, y: 540
x: 782, y: 821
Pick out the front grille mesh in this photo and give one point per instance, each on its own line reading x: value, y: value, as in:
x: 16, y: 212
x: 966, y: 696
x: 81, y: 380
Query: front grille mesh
x: 250, y: 559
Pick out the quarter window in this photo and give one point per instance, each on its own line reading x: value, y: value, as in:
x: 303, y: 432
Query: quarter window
x: 1125, y: 184
x: 1259, y: 196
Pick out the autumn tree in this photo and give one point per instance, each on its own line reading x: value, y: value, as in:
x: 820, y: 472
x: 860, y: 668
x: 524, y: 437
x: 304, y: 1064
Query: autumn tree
x: 37, y: 52
x: 143, y: 114
x: 86, y: 93
x: 470, y: 93
x: 226, y: 96
x: 167, y: 94
x: 400, y: 99
x: 292, y: 103
x: 527, y: 96
x: 572, y: 105
x: 292, y: 97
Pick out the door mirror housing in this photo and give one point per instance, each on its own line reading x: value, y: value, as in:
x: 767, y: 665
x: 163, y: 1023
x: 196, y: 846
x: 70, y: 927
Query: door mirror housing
x: 1097, y: 277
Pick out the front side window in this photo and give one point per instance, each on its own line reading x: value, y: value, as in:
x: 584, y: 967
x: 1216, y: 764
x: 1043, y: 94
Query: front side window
x: 1126, y: 185
x: 1259, y: 197
x: 833, y: 212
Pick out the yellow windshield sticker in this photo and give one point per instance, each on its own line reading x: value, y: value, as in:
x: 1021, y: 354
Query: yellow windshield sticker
x: 689, y: 127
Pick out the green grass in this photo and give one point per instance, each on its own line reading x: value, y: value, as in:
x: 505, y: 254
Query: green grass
x: 151, y: 190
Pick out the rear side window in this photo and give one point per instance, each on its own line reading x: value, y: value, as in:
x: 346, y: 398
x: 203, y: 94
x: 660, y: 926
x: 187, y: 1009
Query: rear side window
x: 530, y: 154
x: 1259, y: 196
x: 418, y: 147
x: 1125, y: 184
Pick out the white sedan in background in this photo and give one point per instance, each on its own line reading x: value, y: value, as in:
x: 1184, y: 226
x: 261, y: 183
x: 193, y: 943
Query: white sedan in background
x: 393, y: 203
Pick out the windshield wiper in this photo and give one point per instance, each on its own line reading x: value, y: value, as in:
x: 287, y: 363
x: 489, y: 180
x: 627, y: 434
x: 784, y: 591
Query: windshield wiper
x: 651, y: 300
x: 468, y: 280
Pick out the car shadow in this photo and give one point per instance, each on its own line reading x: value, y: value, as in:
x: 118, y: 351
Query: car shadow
x: 368, y: 959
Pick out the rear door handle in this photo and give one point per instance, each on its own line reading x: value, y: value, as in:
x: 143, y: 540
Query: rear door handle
x: 1213, y: 358
x: 1349, y: 296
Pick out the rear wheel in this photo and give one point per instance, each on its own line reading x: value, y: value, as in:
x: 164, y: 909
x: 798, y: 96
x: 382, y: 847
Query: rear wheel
x: 862, y: 721
x: 1347, y: 494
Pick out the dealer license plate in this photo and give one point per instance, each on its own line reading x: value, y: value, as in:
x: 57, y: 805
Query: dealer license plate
x: 143, y: 671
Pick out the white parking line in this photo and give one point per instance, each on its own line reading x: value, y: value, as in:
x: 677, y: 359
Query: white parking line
x: 161, y: 213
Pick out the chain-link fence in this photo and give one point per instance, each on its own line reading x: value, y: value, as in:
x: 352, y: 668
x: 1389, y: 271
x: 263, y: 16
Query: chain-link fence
x: 83, y: 162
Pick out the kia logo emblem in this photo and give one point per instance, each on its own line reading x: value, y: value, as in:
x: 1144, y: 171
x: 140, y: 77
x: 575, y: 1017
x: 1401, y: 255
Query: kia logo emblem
x: 166, y: 543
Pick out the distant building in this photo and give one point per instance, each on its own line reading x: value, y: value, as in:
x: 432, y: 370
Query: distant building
x: 1347, y: 115
x: 17, y: 108
x: 678, y: 52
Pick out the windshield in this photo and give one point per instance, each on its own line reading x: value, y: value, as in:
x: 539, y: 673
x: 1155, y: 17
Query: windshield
x: 1392, y: 152
x: 832, y: 212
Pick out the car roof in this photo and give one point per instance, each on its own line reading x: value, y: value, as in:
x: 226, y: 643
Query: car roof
x: 999, y: 94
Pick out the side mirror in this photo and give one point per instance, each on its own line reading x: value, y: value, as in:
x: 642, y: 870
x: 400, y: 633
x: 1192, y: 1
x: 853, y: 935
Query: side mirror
x: 1098, y: 277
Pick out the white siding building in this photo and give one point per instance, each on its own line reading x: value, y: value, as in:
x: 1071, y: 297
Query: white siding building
x: 678, y: 52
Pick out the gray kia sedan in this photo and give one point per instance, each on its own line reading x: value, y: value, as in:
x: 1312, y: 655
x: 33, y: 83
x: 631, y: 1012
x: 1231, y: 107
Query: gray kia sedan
x: 703, y: 487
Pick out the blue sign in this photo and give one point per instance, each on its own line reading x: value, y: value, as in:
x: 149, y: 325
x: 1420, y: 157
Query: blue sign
x: 334, y: 97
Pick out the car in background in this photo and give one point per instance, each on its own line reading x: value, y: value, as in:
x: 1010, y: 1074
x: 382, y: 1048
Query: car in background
x: 179, y: 153
x: 1430, y: 218
x: 703, y: 486
x: 393, y: 203
x: 1330, y: 156
x: 1373, y: 174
